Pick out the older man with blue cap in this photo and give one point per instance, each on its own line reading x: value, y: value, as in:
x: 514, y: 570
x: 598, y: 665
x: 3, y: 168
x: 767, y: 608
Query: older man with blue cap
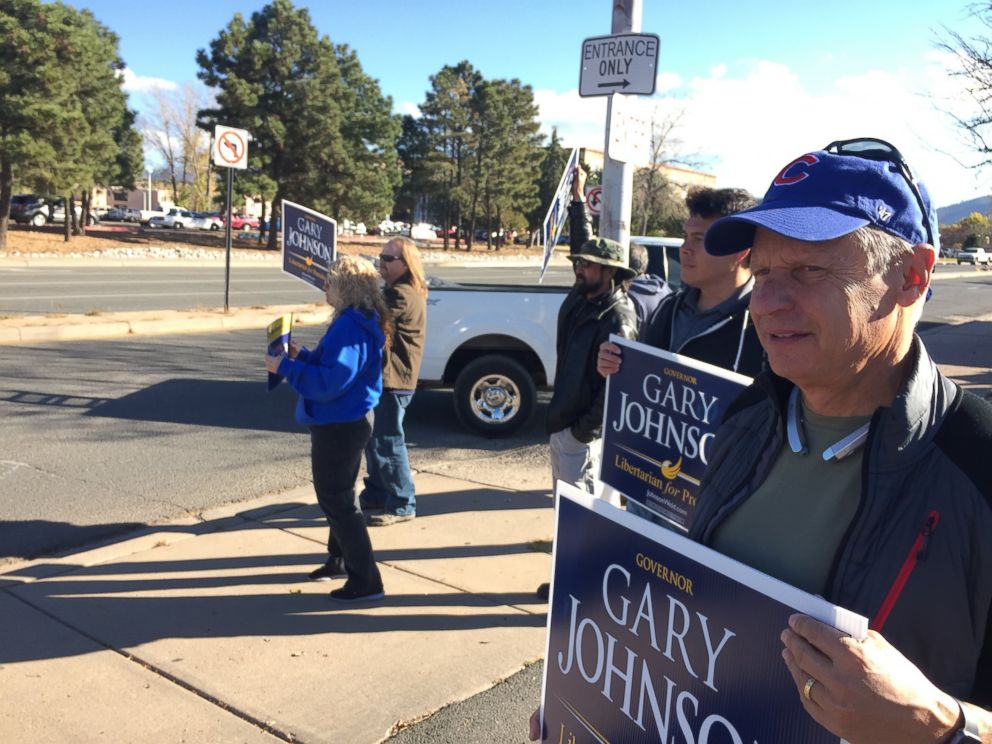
x: 853, y: 468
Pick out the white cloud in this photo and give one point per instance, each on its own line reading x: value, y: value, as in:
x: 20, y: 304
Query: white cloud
x: 139, y: 84
x: 411, y: 109
x: 668, y: 81
x: 745, y: 121
x: 579, y: 121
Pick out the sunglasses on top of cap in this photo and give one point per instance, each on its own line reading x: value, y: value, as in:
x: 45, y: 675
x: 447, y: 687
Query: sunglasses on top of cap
x: 870, y: 148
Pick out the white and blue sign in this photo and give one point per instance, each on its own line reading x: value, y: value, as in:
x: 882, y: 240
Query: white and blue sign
x: 558, y: 211
x: 309, y: 243
x: 653, y: 637
x: 662, y: 411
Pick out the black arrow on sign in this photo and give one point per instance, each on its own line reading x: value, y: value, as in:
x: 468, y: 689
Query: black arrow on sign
x: 617, y: 84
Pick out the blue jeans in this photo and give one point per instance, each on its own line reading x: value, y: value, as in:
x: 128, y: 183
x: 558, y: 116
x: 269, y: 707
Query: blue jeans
x: 389, y: 484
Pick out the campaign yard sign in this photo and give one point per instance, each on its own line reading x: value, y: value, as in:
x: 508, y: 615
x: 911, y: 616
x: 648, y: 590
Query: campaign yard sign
x: 653, y: 637
x: 661, y: 413
x: 309, y: 243
x: 558, y: 212
x: 278, y: 335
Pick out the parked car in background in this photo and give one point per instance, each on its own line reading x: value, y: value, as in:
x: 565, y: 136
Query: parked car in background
x: 349, y: 227
x: 57, y: 212
x: 29, y: 209
x: 122, y: 214
x: 242, y: 221
x: 453, y: 232
x: 176, y: 218
x: 145, y: 215
x: 388, y: 227
x: 974, y: 256
x: 422, y: 231
x: 207, y: 221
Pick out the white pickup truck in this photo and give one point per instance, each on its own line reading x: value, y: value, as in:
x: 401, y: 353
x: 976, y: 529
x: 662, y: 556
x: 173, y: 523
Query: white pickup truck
x: 495, y: 343
x: 146, y: 215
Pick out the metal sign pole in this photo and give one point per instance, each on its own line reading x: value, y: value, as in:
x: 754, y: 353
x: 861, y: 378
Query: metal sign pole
x: 618, y: 177
x: 227, y: 242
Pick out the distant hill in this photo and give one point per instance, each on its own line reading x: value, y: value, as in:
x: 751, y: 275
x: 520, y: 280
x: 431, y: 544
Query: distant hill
x: 957, y: 212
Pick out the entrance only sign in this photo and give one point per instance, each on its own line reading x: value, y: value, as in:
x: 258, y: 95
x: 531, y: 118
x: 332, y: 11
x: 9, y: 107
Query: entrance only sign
x: 621, y: 63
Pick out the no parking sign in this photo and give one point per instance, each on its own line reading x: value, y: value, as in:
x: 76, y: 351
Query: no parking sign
x: 230, y: 148
x: 594, y: 199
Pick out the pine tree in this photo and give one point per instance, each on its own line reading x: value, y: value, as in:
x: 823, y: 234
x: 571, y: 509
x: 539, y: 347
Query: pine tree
x: 448, y: 122
x: 63, y: 113
x: 367, y: 190
x: 507, y: 147
x: 281, y: 81
x: 416, y: 192
x: 553, y: 162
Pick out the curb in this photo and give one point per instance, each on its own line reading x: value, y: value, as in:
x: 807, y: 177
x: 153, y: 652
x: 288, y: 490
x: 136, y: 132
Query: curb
x: 14, y: 331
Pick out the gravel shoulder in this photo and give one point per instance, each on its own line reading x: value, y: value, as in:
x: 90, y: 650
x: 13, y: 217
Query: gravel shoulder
x: 123, y: 242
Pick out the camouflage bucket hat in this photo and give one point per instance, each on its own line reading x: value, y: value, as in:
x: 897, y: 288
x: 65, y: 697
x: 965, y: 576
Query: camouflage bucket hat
x: 608, y: 253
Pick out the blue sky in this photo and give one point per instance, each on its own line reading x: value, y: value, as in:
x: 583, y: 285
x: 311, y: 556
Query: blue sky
x: 752, y: 84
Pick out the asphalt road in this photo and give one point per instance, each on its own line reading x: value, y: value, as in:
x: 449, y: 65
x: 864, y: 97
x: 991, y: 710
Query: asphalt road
x: 64, y: 289
x: 99, y: 437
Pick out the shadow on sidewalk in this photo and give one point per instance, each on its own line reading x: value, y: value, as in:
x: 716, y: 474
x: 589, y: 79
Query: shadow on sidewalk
x: 232, y: 404
x: 134, y: 599
x: 19, y: 537
x: 966, y: 349
x: 960, y: 344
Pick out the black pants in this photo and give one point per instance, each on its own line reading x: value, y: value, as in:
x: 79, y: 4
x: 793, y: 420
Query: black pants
x: 335, y: 456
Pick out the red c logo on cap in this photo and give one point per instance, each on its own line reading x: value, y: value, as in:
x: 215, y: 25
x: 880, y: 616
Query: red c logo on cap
x: 783, y: 180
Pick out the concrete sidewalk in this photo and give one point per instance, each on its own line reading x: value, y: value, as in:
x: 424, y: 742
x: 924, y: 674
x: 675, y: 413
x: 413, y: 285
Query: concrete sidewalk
x: 964, y: 353
x: 39, y: 329
x: 209, y: 631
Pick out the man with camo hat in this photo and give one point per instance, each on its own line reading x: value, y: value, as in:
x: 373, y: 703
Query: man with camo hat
x: 596, y: 306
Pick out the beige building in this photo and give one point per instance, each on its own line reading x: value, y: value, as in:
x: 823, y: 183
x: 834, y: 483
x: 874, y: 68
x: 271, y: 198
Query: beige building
x: 106, y: 198
x: 683, y: 178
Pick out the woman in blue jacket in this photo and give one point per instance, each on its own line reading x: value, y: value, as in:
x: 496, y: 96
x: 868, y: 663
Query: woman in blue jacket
x: 339, y: 383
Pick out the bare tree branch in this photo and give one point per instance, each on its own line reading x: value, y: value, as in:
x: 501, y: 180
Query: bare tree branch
x: 974, y: 59
x: 170, y: 131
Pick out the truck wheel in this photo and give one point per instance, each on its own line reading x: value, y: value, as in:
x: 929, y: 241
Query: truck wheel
x: 494, y: 395
x: 38, y: 219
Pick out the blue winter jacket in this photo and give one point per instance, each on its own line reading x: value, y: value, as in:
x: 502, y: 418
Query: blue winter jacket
x: 341, y: 379
x: 646, y: 292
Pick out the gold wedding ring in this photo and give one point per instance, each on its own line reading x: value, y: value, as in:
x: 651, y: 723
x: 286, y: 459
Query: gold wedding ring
x: 807, y: 688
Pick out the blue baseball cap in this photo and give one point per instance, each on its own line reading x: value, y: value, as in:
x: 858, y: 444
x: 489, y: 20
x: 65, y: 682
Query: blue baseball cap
x: 827, y: 194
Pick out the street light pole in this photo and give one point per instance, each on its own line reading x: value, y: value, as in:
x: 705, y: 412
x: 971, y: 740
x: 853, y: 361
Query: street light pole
x: 149, y: 207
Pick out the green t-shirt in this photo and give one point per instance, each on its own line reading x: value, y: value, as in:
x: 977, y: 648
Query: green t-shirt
x: 791, y: 526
